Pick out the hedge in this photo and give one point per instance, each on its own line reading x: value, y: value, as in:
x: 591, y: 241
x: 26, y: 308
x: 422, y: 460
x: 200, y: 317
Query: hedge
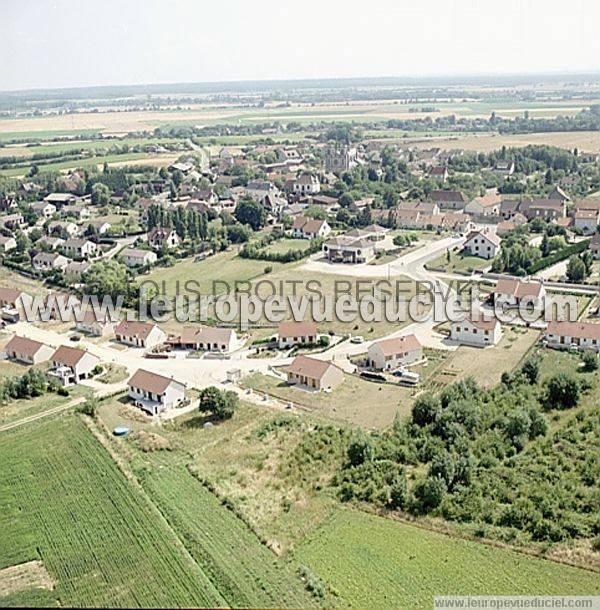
x: 558, y: 256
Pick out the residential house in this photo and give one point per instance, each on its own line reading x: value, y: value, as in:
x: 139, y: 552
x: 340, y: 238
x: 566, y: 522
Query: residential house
x: 12, y: 221
x: 160, y: 238
x: 505, y: 168
x: 573, y: 335
x: 63, y: 228
x: 80, y: 248
x: 132, y: 257
x: 140, y: 334
x: 314, y: 374
x: 438, y: 173
x: 97, y: 324
x: 449, y: 200
x: 310, y: 228
x: 50, y: 242
x: 547, y: 209
x: 482, y: 243
x: 27, y: 350
x: 155, y: 393
x: 486, y: 205
x: 49, y: 261
x: 296, y: 333
x: 7, y: 243
x: 207, y: 338
x: 10, y: 298
x: 76, y: 269
x: 100, y: 227
x: 43, y: 209
x: 305, y: 184
x: 476, y: 332
x: 75, y: 210
x: 390, y: 354
x: 512, y: 291
x: 348, y: 249
x: 71, y: 365
x: 586, y: 221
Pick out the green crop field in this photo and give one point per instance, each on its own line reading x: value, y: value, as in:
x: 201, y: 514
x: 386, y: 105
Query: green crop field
x: 246, y: 573
x: 372, y: 562
x: 64, y: 501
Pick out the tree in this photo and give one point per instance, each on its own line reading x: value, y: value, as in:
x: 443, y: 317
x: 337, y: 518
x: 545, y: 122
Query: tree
x: 426, y: 409
x: 399, y: 492
x: 562, y: 391
x: 360, y: 449
x: 576, y: 271
x: 531, y: 369
x: 250, y: 212
x: 221, y: 404
x: 442, y: 466
x: 107, y: 277
x: 346, y: 200
x: 430, y: 493
x: 100, y: 194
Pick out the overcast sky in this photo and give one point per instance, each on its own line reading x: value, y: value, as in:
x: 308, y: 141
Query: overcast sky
x: 59, y: 43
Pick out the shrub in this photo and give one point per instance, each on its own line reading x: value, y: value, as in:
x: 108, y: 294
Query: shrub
x: 590, y: 360
x: 562, y: 391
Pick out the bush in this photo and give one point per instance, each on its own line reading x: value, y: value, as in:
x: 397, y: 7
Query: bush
x: 562, y: 391
x: 590, y: 360
x: 430, y: 493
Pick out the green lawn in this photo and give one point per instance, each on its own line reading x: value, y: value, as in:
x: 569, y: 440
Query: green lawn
x: 458, y: 263
x: 284, y: 245
x: 372, y: 562
x: 64, y: 501
x: 205, y: 275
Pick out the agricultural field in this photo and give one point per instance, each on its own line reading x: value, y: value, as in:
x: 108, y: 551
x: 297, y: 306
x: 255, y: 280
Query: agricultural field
x: 244, y: 570
x: 65, y: 503
x: 370, y: 561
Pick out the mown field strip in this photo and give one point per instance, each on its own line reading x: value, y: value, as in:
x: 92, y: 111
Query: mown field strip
x: 246, y: 573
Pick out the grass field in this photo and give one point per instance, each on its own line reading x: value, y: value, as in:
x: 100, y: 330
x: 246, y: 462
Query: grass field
x: 356, y: 401
x: 458, y: 263
x: 64, y: 501
x: 284, y: 245
x: 246, y: 573
x: 487, y: 365
x: 224, y: 267
x: 373, y: 562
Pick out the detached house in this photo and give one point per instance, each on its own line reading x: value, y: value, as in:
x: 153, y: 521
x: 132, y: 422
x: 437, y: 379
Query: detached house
x: 43, y: 209
x: 27, y: 350
x: 7, y: 243
x: 160, y: 238
x: 573, y: 335
x: 512, y: 291
x: 133, y: 257
x: 97, y: 324
x: 71, y: 364
x: 390, y: 354
x: 206, y: 338
x: 296, y: 333
x: 139, y: 334
x: 314, y: 374
x: 80, y: 248
x: 14, y: 299
x: 48, y: 261
x: 586, y: 221
x: 155, y: 393
x: 310, y: 228
x: 478, y: 333
x: 487, y: 205
x: 482, y: 243
x: 449, y: 200
x: 305, y: 184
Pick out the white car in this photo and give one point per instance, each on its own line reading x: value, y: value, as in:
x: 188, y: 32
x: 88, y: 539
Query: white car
x: 357, y: 339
